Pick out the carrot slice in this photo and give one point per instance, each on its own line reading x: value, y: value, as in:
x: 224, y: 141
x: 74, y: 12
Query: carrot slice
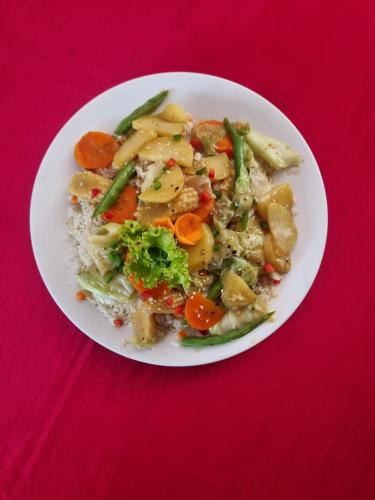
x: 164, y: 222
x: 225, y: 145
x: 95, y: 150
x: 202, y: 313
x: 157, y: 292
x: 124, y: 207
x: 204, y: 209
x: 188, y: 229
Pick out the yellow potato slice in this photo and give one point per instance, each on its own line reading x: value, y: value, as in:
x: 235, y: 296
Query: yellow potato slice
x: 281, y: 193
x: 82, y: 183
x: 164, y: 148
x: 201, y: 254
x: 171, y: 183
x: 280, y: 264
x: 220, y: 164
x: 282, y: 228
x: 129, y: 149
x: 174, y: 113
x: 236, y: 292
x: 161, y: 127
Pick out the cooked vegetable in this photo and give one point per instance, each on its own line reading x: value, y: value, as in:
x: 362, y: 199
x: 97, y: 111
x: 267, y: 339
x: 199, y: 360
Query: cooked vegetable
x: 205, y: 208
x: 247, y: 271
x: 282, y: 228
x: 280, y: 264
x: 118, y: 289
x: 281, y: 193
x: 153, y: 255
x: 226, y: 337
x: 161, y: 127
x: 118, y: 184
x: 242, y: 198
x: 215, y: 290
x: 147, y: 108
x: 234, y: 319
x: 211, y: 134
x: 124, y: 207
x: 171, y: 183
x: 164, y: 222
x: 219, y: 164
x: 225, y: 145
x: 130, y: 148
x: 164, y: 148
x: 174, y: 113
x: 202, y: 313
x: 186, y: 201
x: 105, y: 235
x: 236, y: 293
x: 147, y: 212
x: 276, y: 153
x: 95, y: 150
x: 144, y: 326
x: 83, y: 183
x: 201, y: 254
x: 188, y: 229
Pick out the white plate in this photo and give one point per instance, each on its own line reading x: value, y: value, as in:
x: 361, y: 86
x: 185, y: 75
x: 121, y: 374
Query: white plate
x: 204, y: 96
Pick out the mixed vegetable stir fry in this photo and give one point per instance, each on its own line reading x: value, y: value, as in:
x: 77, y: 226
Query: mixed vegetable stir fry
x: 186, y: 223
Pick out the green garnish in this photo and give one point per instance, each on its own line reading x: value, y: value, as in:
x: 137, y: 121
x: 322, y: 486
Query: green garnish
x: 156, y: 184
x: 217, y: 194
x: 202, y: 171
x: 177, y: 137
x: 116, y: 259
x: 264, y: 225
x: 154, y: 256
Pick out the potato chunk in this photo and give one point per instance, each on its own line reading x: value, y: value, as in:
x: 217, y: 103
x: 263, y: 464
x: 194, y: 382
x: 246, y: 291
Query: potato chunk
x: 282, y: 228
x: 161, y: 127
x: 280, y: 264
x: 236, y: 293
x: 174, y: 113
x: 144, y: 326
x: 201, y: 254
x: 281, y: 193
x: 165, y: 148
x: 82, y: 184
x: 169, y: 186
x: 129, y: 149
x: 219, y: 164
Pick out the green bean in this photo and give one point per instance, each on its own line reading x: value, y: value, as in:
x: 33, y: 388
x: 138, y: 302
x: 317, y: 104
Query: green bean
x: 226, y: 337
x: 238, y: 150
x: 244, y: 221
x: 114, y: 190
x: 146, y: 108
x: 215, y: 289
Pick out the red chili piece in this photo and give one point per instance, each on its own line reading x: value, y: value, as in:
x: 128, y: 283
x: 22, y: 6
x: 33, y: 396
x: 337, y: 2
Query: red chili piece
x: 169, y: 301
x: 108, y: 215
x: 211, y: 173
x: 268, y: 267
x: 179, y: 310
x: 146, y: 295
x: 204, y: 197
x: 171, y: 162
x: 95, y: 192
x: 118, y: 322
x: 196, y: 143
x: 276, y: 282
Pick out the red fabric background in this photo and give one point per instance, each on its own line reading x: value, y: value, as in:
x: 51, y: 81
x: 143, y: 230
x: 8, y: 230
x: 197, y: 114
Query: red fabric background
x: 293, y: 418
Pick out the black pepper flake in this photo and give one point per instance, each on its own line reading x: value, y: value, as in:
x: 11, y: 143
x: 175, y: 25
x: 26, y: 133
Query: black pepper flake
x: 176, y: 188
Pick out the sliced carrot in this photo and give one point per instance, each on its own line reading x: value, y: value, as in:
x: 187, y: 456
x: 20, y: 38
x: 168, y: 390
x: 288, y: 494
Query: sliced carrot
x: 80, y: 296
x: 202, y: 313
x: 225, y: 145
x: 124, y: 207
x: 95, y: 150
x: 164, y: 222
x: 74, y: 200
x: 157, y: 292
x: 188, y: 229
x: 205, y: 209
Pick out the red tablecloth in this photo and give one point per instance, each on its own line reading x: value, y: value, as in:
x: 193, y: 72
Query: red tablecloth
x: 293, y: 418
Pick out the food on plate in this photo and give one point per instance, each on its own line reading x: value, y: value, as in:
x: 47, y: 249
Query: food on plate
x: 178, y: 227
